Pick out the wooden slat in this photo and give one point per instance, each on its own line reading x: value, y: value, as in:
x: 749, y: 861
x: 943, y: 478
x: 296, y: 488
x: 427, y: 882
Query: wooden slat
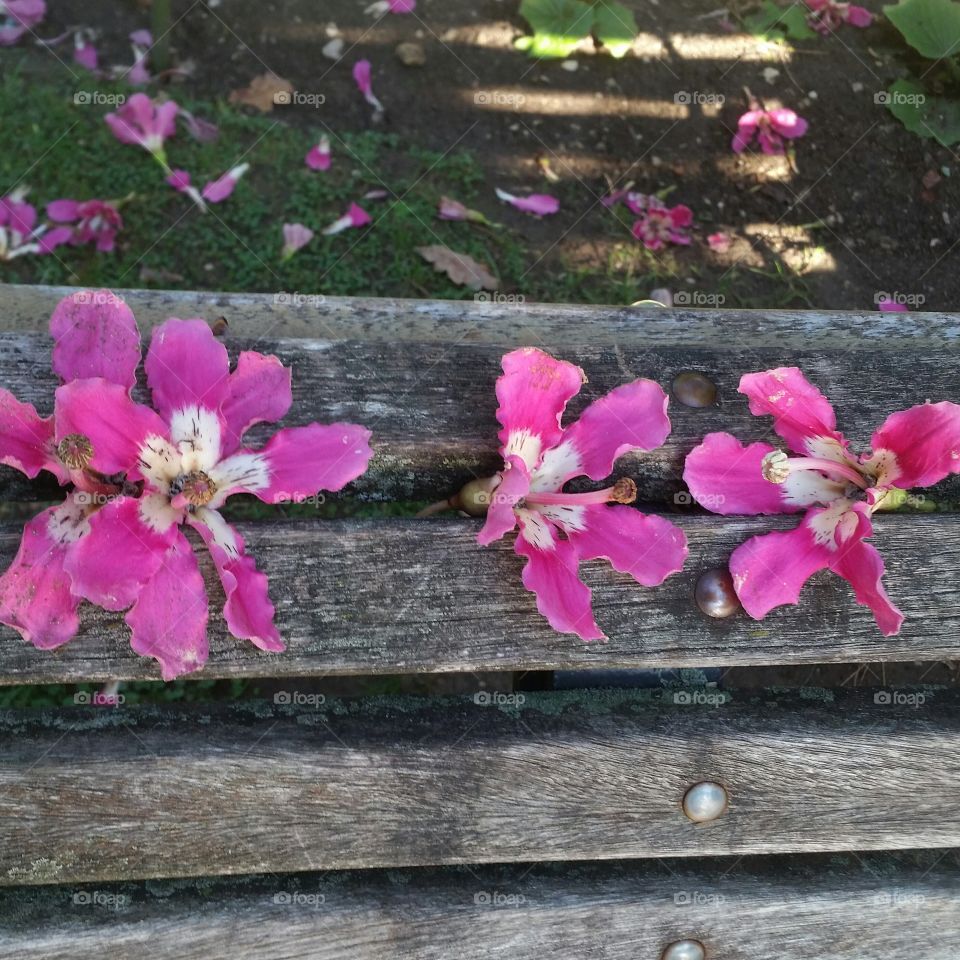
x: 784, y: 908
x: 421, y: 375
x: 90, y: 795
x: 453, y: 606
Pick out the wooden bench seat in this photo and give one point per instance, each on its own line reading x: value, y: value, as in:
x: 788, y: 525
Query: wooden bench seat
x: 519, y: 824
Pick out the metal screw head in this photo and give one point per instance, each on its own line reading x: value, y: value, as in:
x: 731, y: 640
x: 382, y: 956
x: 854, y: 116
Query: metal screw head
x: 684, y: 950
x: 694, y: 389
x: 705, y: 801
x: 715, y: 594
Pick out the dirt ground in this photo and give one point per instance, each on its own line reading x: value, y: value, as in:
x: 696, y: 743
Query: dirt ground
x: 852, y: 219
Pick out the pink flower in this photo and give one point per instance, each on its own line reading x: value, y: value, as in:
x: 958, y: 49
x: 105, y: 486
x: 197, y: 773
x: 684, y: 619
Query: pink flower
x: 318, y: 158
x: 203, y: 131
x: 888, y: 304
x: 94, y: 336
x: 720, y: 242
x: 539, y: 204
x: 660, y: 224
x: 144, y: 123
x: 838, y: 490
x: 770, y: 127
x: 19, y: 233
x: 541, y: 457
x: 454, y: 210
x: 295, y: 236
x: 19, y: 17
x: 356, y: 216
x: 180, y: 180
x: 827, y: 15
x: 95, y: 221
x: 178, y: 465
x: 84, y: 52
x: 138, y: 75
x: 221, y: 188
x: 361, y: 74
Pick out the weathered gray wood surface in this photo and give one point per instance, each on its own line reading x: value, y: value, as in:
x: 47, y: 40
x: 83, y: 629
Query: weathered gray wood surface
x: 95, y: 794
x: 453, y: 606
x: 784, y: 908
x: 421, y: 374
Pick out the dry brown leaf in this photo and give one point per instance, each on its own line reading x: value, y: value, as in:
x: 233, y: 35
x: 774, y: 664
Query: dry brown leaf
x: 264, y: 92
x: 460, y: 268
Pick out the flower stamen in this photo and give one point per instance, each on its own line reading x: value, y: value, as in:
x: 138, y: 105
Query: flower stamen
x: 777, y: 466
x: 75, y: 451
x: 623, y: 491
x: 192, y: 490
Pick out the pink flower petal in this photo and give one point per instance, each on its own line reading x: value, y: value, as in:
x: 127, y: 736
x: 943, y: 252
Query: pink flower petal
x: 55, y: 238
x: 648, y: 548
x: 295, y: 236
x: 770, y: 570
x: 787, y: 123
x: 66, y: 211
x: 859, y: 16
x: 746, y: 128
x: 248, y: 610
x: 26, y: 439
x: 186, y: 366
x: 117, y: 427
x: 532, y: 395
x: 361, y: 76
x: 95, y: 335
x: 221, y: 188
x: 142, y: 38
x: 725, y: 477
x: 169, y: 617
x: 800, y: 411
x: 501, y: 519
x: 86, y: 55
x: 35, y: 594
x: 886, y: 305
x: 862, y: 567
x: 179, y: 180
x: 720, y: 242
x: 319, y: 157
x: 539, y: 204
x: 257, y: 391
x: 551, y: 574
x: 355, y: 216
x: 297, y: 463
x: 119, y: 556
x: 924, y: 442
x: 631, y: 417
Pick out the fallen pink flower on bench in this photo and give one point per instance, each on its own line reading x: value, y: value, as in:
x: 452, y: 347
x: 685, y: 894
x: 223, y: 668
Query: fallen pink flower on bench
x: 142, y: 473
x: 540, y: 458
x: 837, y: 490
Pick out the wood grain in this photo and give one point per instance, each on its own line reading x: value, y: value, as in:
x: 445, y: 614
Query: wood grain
x: 451, y: 605
x: 90, y: 794
x: 421, y: 375
x: 897, y: 907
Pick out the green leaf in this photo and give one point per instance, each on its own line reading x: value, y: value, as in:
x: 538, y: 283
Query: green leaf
x: 775, y: 23
x: 931, y: 27
x: 926, y: 116
x: 614, y: 26
x: 558, y: 25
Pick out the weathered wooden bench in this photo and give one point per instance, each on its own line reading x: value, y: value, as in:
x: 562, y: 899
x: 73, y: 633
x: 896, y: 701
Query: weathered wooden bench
x: 525, y: 825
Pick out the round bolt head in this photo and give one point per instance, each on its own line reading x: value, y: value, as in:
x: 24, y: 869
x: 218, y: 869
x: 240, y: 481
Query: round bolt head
x: 704, y: 802
x: 694, y: 389
x: 715, y: 594
x: 684, y: 950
